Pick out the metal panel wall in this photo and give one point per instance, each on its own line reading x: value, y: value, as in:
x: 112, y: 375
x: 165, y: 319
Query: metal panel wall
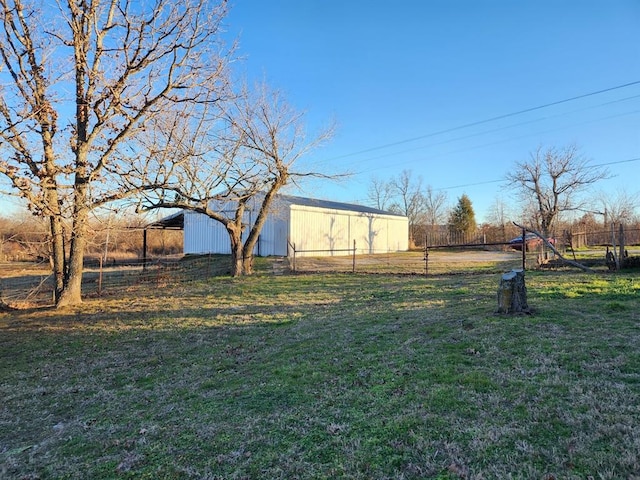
x: 204, y: 235
x: 329, y: 232
x: 321, y: 230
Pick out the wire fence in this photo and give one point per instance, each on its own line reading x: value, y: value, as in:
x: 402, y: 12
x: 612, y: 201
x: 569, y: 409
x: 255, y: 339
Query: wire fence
x: 454, y: 259
x: 26, y: 283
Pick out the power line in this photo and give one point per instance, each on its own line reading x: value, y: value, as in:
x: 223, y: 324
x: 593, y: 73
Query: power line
x: 499, y: 129
x: 453, y: 187
x: 465, y: 149
x: 494, y: 130
x: 488, y: 120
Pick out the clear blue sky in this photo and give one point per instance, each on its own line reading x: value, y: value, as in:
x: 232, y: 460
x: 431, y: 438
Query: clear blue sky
x: 389, y: 72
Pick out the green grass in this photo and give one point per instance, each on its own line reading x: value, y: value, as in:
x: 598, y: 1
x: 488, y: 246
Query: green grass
x: 327, y: 376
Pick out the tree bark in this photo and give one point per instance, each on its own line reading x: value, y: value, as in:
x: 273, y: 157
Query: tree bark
x: 512, y: 293
x: 57, y: 255
x: 72, y: 293
x: 235, y: 237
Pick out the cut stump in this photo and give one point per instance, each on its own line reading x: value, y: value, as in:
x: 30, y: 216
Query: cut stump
x: 512, y: 293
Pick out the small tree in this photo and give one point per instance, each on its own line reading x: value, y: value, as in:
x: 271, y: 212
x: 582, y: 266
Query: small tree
x: 551, y: 181
x: 462, y: 219
x: 620, y: 207
x: 499, y: 217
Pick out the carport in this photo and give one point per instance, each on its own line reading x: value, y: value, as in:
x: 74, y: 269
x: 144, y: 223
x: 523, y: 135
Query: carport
x: 172, y: 222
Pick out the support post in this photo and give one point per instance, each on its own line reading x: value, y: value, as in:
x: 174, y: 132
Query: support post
x: 524, y: 250
x: 353, y: 268
x: 621, y: 255
x: 100, y: 278
x: 294, y: 257
x: 613, y: 246
x: 426, y: 257
x: 144, y: 249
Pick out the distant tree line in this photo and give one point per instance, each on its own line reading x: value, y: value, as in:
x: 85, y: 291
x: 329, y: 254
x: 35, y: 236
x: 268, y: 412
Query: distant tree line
x: 552, y: 194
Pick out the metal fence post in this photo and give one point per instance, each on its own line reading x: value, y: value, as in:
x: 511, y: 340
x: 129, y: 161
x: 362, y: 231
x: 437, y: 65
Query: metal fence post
x: 426, y: 260
x: 353, y: 268
x: 100, y: 279
x: 524, y: 250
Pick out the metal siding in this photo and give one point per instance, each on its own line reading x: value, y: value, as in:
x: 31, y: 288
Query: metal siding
x: 330, y: 230
x: 204, y: 235
x: 310, y: 228
x: 274, y: 234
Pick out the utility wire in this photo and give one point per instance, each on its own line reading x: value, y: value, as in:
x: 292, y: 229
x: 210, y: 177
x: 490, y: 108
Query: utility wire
x: 453, y: 187
x: 495, y: 130
x: 475, y: 147
x: 488, y: 120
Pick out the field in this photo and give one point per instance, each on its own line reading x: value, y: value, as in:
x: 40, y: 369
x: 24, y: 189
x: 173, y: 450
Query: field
x: 317, y: 376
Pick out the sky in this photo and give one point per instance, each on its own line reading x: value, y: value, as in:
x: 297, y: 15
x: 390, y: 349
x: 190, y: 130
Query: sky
x: 455, y: 91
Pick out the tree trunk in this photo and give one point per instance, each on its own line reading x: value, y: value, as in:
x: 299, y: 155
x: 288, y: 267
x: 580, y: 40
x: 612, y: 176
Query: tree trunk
x: 57, y: 255
x: 235, y: 236
x: 72, y: 293
x: 247, y: 264
x: 512, y: 293
x: 256, y: 228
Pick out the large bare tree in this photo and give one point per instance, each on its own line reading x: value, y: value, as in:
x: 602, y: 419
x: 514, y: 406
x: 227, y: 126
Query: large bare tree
x: 551, y: 182
x: 226, y: 160
x: 80, y: 80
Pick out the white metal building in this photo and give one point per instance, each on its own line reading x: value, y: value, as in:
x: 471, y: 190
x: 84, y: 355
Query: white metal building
x: 314, y: 227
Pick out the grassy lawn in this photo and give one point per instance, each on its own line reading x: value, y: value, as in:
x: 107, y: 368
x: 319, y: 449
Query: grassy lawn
x: 327, y: 376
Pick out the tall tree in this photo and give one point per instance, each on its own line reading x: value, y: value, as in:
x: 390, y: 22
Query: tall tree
x: 76, y: 96
x: 408, y: 199
x: 551, y: 181
x: 435, y: 206
x: 462, y: 218
x: 380, y: 193
x: 406, y: 195
x: 234, y: 157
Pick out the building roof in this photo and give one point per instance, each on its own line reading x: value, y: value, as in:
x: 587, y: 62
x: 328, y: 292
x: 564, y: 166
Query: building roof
x: 314, y: 202
x: 175, y: 222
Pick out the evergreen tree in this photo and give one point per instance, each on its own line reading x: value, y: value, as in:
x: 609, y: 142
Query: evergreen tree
x: 462, y: 218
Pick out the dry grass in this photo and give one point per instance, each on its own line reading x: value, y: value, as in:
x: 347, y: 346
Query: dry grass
x: 327, y: 376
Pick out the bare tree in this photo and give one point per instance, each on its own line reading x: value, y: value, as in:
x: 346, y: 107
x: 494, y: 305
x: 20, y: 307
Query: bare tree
x: 500, y: 216
x: 620, y: 207
x: 226, y: 162
x: 405, y: 195
x: 408, y: 199
x: 380, y: 193
x: 76, y: 96
x: 551, y: 182
x: 435, y: 206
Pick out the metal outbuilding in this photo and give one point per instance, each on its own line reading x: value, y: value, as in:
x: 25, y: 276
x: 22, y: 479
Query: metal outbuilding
x: 314, y: 227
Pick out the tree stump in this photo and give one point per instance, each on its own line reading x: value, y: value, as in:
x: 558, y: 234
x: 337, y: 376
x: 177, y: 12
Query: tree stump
x: 512, y: 293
